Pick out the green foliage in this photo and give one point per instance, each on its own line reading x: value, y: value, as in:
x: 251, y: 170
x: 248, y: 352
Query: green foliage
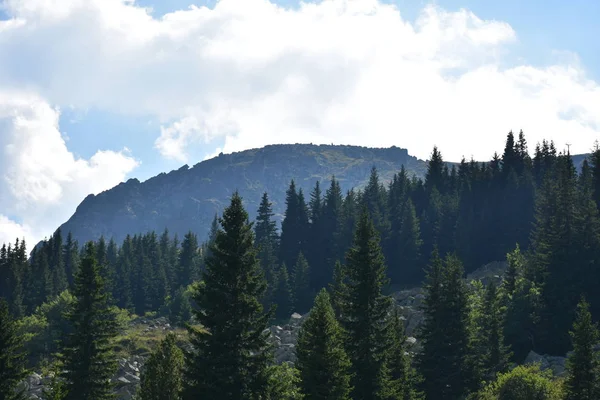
x: 87, y: 359
x: 523, y: 383
x: 179, y: 307
x: 403, y: 378
x: 283, y: 294
x: 230, y: 354
x: 364, y: 313
x: 583, y: 380
x: 302, y: 293
x: 284, y: 383
x: 12, y: 362
x: 44, y: 330
x: 162, y: 375
x: 495, y: 355
x: 445, y: 359
x: 323, y: 363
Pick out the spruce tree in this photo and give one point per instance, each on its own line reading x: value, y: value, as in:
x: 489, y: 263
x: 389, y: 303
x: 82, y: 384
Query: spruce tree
x: 283, y: 294
x: 316, y: 232
x: 444, y: 361
x: 12, y: 357
x: 162, y: 375
x: 332, y: 228
x: 295, y: 226
x: 583, y: 379
x: 323, y: 363
x: 364, y: 313
x: 87, y: 358
x: 230, y: 352
x: 71, y: 257
x: 338, y: 289
x: 188, y: 268
x: 267, y: 242
x: 495, y: 358
x: 403, y: 378
x: 409, y: 247
x: 302, y: 293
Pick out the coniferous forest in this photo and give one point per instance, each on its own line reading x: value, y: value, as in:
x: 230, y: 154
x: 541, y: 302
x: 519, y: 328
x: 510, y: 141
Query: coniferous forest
x: 338, y: 257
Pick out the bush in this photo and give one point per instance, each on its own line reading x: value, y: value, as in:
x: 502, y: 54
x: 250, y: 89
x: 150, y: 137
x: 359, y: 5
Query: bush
x: 525, y: 382
x: 43, y: 330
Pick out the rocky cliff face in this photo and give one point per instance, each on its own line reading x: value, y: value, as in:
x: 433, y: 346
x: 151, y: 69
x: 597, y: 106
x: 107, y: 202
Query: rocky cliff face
x: 188, y: 198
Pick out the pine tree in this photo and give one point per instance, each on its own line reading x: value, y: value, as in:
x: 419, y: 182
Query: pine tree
x: 188, y: 260
x: 230, y: 353
x: 583, y: 379
x: 40, y: 287
x: 496, y: 354
x: 323, y: 363
x: 71, y: 257
x: 87, y: 358
x: 402, y: 375
x: 267, y: 242
x: 57, y: 264
x: 434, y: 178
x: 317, y: 233
x: 338, y: 289
x: 444, y: 359
x: 302, y: 294
x: 12, y: 358
x: 332, y: 228
x: 161, y: 378
x: 123, y: 290
x: 364, y: 313
x: 409, y: 247
x: 283, y: 294
x: 295, y: 226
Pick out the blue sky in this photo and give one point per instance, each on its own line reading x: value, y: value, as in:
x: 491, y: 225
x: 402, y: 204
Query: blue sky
x: 95, y: 92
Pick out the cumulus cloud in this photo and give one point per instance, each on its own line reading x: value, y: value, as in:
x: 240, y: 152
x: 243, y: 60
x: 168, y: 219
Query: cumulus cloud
x: 345, y: 71
x: 41, y: 181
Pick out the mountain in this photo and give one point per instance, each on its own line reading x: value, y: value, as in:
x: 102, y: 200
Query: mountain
x: 188, y: 198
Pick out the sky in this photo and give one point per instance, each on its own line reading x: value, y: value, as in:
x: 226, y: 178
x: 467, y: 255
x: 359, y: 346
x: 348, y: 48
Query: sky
x: 94, y: 92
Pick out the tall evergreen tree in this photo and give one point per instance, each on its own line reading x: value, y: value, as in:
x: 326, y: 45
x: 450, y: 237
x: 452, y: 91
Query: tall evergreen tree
x: 409, y: 247
x: 188, y: 270
x: 496, y: 356
x: 161, y: 378
x: 230, y: 353
x: 434, y: 178
x: 283, y: 294
x: 71, y: 257
x: 323, y: 363
x: 267, y: 242
x: 12, y: 357
x: 332, y: 228
x: 444, y: 361
x: 338, y: 289
x: 87, y: 358
x: 364, y: 314
x: 403, y: 376
x: 57, y: 264
x: 302, y: 293
x: 583, y: 379
x: 295, y: 226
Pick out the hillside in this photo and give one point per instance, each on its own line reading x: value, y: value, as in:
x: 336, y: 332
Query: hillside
x: 188, y: 198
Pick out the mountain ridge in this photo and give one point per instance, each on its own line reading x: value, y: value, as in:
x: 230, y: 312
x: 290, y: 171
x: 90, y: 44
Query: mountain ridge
x: 187, y: 198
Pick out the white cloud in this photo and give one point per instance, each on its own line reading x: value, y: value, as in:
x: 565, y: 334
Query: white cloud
x: 41, y: 181
x: 343, y: 71
x: 248, y: 73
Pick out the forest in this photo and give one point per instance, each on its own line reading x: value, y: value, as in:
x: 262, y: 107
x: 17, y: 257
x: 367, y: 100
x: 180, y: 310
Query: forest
x: 338, y: 257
